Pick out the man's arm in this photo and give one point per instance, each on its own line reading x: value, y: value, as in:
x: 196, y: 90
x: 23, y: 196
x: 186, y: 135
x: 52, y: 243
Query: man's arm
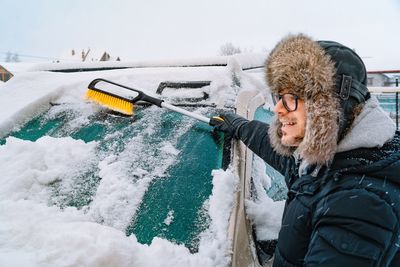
x: 254, y: 134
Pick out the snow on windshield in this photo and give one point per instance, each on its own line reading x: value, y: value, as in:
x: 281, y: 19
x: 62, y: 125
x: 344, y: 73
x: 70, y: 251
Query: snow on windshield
x: 38, y: 230
x: 34, y: 233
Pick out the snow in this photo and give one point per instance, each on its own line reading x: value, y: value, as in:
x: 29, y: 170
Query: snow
x: 116, y: 191
x: 18, y: 67
x: 30, y: 93
x: 265, y: 213
x: 34, y: 231
x: 35, y: 234
x: 170, y: 217
x: 193, y: 93
x: 168, y: 148
x: 55, y: 159
x: 246, y: 60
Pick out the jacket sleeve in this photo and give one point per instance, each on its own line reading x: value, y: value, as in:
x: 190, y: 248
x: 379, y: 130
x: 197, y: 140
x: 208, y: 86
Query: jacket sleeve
x: 254, y: 134
x: 352, y: 228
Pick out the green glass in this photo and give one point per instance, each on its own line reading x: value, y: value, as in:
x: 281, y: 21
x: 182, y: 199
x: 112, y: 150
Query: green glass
x: 183, y: 192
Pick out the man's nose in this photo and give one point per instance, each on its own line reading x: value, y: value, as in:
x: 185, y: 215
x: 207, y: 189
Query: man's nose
x: 279, y: 108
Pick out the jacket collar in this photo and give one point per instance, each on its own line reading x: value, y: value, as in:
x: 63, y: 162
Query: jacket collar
x: 371, y: 128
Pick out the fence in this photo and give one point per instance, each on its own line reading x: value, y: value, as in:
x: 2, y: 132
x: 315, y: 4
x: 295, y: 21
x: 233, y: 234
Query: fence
x: 389, y: 99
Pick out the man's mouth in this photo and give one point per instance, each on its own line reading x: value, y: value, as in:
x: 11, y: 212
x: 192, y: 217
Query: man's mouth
x: 287, y: 123
x: 287, y: 126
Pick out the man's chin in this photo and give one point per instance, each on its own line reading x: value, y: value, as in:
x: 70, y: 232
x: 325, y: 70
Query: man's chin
x: 290, y: 141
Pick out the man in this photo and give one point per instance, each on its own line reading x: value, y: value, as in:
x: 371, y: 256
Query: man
x: 339, y: 153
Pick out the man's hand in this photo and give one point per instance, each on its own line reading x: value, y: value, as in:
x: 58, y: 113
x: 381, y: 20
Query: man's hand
x: 229, y: 123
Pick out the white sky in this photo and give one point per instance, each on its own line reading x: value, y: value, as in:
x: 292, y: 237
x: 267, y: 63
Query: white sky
x: 160, y: 29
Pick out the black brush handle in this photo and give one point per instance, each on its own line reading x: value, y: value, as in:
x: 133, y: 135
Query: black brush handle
x: 146, y: 98
x: 141, y: 96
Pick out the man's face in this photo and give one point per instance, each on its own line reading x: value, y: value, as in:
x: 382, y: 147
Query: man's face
x: 293, y: 122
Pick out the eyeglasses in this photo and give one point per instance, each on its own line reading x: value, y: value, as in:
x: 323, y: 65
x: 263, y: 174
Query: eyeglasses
x: 289, y: 101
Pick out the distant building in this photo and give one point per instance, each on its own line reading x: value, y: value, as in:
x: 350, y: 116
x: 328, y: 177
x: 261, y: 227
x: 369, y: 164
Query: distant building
x: 5, y: 75
x: 89, y: 55
x: 383, y: 78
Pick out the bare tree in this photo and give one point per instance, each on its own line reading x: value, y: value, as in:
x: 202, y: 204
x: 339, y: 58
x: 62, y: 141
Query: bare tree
x: 8, y: 56
x: 15, y: 57
x: 229, y: 49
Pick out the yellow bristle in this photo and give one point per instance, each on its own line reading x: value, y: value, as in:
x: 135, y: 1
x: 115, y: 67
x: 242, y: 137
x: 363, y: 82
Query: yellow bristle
x: 111, y: 102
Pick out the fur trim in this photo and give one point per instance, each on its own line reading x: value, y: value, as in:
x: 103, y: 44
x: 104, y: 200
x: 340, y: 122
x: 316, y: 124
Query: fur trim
x: 301, y: 66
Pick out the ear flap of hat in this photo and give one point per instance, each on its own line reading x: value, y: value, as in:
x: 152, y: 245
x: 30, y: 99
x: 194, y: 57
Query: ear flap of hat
x: 351, y: 80
x: 321, y: 135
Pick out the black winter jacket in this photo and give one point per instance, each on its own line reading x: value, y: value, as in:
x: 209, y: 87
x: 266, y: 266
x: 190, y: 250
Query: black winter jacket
x: 346, y: 216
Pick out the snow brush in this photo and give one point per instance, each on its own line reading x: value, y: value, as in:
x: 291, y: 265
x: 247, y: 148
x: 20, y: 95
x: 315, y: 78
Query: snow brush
x: 121, y: 98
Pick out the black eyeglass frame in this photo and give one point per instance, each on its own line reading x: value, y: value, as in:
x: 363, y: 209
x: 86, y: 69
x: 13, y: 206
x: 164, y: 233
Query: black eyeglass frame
x: 277, y: 97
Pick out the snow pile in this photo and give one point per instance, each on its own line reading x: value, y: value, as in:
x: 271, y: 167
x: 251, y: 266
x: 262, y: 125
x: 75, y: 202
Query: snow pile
x: 247, y: 60
x: 28, y: 167
x: 166, y: 63
x: 29, y: 94
x: 264, y: 213
x: 214, y: 240
x: 24, y: 97
x: 33, y: 233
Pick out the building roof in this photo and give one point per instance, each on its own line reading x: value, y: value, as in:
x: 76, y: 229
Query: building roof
x: 383, y: 71
x: 85, y: 55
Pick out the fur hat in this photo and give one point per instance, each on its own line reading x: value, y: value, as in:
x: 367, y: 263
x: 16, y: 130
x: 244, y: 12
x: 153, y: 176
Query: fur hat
x: 330, y: 78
